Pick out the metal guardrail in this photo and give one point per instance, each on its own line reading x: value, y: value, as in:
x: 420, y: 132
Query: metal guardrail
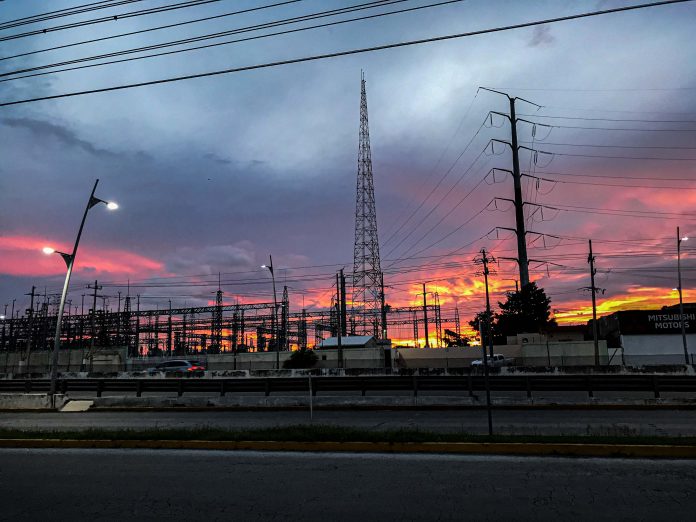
x: 413, y: 384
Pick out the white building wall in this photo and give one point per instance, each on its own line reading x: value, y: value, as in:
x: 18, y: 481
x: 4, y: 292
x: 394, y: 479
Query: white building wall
x: 657, y: 349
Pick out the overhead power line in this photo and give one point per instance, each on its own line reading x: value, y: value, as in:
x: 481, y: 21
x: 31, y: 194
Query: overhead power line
x: 631, y: 89
x: 112, y: 18
x: 437, y: 185
x: 141, y: 31
x: 432, y: 171
x: 346, y: 53
x: 440, y: 201
x: 547, y: 173
x: 595, y: 184
x: 68, y: 11
x: 584, y: 127
x: 605, y: 119
x: 212, y: 36
x: 604, y: 146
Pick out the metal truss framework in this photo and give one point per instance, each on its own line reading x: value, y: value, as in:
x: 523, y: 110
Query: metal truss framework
x: 366, y: 302
x: 222, y: 328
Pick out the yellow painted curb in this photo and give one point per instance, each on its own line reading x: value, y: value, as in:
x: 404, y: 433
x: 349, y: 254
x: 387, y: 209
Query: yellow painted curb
x: 471, y: 448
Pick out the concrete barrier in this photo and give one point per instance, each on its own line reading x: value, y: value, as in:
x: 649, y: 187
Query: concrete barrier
x: 378, y: 402
x: 29, y: 401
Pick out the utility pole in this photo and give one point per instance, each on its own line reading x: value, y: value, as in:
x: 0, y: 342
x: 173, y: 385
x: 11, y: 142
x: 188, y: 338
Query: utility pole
x: 13, y: 342
x: 4, y: 319
x: 344, y: 326
x: 30, y: 334
x: 118, y: 320
x: 489, y: 318
x: 425, y: 317
x: 82, y: 326
x: 96, y: 287
x: 593, y: 271
x: 339, y: 313
x: 681, y: 302
x: 284, y: 320
x: 484, y: 260
x: 169, y: 331
x: 383, y: 305
x: 517, y: 179
x: 137, y: 328
x: 457, y: 323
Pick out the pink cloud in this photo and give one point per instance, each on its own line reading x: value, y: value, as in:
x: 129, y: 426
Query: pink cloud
x: 22, y: 256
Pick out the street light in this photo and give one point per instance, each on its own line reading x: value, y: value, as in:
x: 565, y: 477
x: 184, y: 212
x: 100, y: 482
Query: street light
x: 69, y: 262
x: 269, y: 266
x: 681, y: 238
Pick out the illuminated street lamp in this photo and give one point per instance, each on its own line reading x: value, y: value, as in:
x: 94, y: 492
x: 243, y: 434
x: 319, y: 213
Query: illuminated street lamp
x: 269, y: 266
x: 681, y: 238
x: 69, y: 262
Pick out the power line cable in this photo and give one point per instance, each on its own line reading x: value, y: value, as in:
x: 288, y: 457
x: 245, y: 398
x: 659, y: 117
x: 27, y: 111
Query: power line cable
x: 622, y: 120
x: 60, y: 13
x: 437, y: 185
x: 209, y: 36
x: 441, y: 200
x: 546, y: 173
x: 593, y: 145
x: 235, y: 31
x: 252, y: 28
x: 595, y: 184
x: 445, y: 216
x: 150, y: 29
x: 437, y: 164
x: 112, y: 18
x: 346, y: 53
x: 583, y: 127
x: 632, y: 89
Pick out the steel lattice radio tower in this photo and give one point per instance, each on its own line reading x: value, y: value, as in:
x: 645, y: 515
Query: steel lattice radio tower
x: 366, y: 265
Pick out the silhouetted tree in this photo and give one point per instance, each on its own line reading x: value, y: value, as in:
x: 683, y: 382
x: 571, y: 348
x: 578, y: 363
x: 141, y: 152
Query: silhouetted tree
x: 528, y: 310
x: 302, y: 358
x: 480, y: 324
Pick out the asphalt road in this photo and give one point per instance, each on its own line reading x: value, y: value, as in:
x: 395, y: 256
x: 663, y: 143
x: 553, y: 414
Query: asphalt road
x: 520, y: 422
x: 120, y: 485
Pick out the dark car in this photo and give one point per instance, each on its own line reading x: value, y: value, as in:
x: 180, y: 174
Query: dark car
x: 179, y: 368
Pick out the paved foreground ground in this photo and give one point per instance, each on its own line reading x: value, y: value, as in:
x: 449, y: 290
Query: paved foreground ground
x: 211, y: 485
x: 521, y: 422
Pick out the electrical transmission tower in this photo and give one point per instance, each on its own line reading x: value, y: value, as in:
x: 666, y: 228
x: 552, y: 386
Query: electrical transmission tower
x: 522, y: 260
x: 366, y: 265
x: 216, y: 330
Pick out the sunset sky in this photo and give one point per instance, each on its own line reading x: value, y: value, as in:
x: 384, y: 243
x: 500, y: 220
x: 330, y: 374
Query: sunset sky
x: 212, y: 175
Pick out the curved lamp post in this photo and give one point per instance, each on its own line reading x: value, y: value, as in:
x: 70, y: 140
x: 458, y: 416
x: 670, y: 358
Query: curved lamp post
x: 69, y: 262
x: 275, y: 312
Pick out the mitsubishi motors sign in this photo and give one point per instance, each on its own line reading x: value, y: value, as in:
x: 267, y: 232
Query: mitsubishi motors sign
x: 670, y: 321
x: 651, y: 322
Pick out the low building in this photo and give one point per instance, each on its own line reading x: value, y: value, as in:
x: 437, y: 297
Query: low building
x: 350, y: 341
x: 650, y: 336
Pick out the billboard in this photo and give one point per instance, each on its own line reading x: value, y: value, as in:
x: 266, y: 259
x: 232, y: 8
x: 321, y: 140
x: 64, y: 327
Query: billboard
x: 655, y: 322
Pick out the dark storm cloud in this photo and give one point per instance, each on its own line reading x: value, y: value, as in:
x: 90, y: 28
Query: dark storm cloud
x: 541, y: 35
x: 176, y: 199
x: 214, y: 175
x: 211, y: 259
x: 45, y: 130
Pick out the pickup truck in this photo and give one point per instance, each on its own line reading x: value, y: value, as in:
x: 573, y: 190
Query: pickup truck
x: 495, y: 361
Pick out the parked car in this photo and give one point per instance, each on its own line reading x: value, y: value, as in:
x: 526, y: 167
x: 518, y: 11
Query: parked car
x: 179, y: 368
x: 495, y: 361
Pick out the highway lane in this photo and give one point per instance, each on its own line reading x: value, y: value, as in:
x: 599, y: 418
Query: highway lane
x: 212, y: 485
x: 519, y: 422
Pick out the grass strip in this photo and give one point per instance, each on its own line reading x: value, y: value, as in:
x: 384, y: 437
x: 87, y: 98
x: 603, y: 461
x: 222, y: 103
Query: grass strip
x: 328, y: 433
